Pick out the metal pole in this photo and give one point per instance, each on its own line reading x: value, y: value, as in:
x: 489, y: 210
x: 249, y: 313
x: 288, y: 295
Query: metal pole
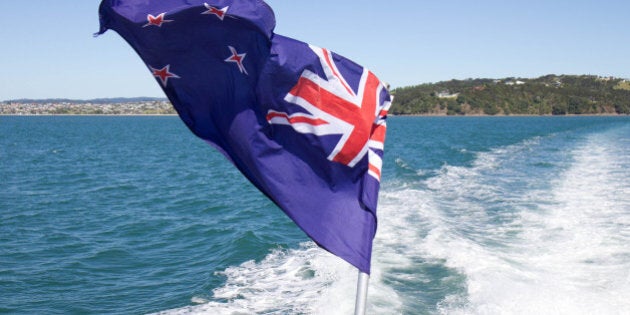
x: 362, y: 289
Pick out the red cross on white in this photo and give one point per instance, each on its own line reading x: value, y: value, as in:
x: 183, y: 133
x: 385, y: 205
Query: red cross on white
x: 163, y: 74
x: 237, y: 59
x: 220, y: 13
x: 333, y: 108
x: 156, y: 20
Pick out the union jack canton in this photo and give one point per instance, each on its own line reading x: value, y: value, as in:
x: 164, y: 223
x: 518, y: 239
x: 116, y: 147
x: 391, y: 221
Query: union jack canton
x: 305, y: 125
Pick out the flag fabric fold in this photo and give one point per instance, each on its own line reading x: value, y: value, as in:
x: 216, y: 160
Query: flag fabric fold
x: 306, y: 126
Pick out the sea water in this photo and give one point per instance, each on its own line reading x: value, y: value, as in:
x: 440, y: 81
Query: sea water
x: 485, y: 215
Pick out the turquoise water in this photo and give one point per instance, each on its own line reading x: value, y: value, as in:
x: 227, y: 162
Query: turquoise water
x: 488, y: 215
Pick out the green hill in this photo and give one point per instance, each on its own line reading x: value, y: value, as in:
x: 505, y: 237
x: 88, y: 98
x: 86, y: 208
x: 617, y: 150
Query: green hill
x: 547, y: 95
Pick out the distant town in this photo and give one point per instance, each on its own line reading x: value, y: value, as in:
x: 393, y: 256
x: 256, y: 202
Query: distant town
x: 94, y: 107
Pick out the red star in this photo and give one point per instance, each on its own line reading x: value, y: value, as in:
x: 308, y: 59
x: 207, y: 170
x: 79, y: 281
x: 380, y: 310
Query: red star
x: 163, y: 74
x: 156, y: 20
x: 237, y: 58
x: 220, y: 13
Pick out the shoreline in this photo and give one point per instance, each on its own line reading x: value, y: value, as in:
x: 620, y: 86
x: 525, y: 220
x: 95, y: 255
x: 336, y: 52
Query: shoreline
x: 390, y: 115
x: 89, y: 115
x: 513, y: 115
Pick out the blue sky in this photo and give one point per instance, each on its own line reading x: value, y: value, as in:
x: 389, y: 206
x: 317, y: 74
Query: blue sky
x: 47, y: 49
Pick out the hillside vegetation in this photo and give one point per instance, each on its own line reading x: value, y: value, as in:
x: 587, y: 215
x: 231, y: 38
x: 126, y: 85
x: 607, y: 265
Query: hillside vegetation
x: 547, y: 95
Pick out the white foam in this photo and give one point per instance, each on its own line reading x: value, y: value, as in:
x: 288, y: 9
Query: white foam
x: 567, y: 255
x: 284, y: 282
x: 307, y: 280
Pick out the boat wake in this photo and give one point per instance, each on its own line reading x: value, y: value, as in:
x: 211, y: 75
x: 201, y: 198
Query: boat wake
x: 530, y: 228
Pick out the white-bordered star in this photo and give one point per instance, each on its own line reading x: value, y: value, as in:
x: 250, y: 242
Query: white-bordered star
x: 237, y: 58
x: 156, y: 20
x: 163, y: 74
x: 220, y: 13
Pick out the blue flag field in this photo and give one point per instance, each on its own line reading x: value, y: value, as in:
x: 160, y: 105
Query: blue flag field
x: 306, y: 126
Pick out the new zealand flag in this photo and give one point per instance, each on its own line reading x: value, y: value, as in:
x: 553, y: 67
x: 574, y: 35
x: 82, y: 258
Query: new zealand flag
x: 304, y: 125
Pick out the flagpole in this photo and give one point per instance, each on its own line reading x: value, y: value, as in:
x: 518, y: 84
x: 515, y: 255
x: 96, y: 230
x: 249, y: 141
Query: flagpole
x: 362, y: 289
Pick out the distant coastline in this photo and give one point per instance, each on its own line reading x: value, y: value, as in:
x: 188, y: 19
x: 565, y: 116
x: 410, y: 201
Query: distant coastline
x: 164, y: 108
x: 103, y: 107
x: 547, y: 95
x: 551, y: 95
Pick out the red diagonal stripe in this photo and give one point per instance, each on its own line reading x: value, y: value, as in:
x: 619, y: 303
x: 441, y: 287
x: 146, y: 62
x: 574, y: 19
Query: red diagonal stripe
x: 376, y: 170
x: 360, y: 117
